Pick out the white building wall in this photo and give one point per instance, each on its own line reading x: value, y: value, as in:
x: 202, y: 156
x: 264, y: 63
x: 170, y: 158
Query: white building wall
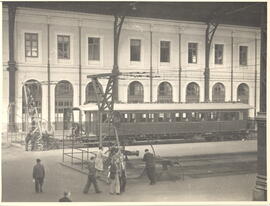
x: 68, y: 23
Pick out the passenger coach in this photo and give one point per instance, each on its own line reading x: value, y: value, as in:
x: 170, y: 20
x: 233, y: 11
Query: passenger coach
x: 167, y: 122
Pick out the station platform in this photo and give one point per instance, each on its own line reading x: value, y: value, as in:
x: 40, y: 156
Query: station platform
x: 231, y: 185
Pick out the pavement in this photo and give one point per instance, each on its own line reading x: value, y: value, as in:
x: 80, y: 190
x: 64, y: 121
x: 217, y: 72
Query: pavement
x: 17, y: 185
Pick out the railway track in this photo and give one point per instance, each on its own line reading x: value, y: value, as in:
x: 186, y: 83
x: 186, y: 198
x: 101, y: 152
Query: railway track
x: 195, y: 166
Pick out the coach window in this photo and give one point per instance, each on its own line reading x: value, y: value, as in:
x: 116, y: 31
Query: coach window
x: 177, y: 117
x: 243, y: 93
x: 184, y: 116
x: 167, y: 117
x: 218, y: 93
x: 31, y: 45
x: 172, y: 116
x: 63, y: 47
x: 63, y: 100
x: 150, y: 117
x: 192, y: 93
x: 144, y: 119
x: 165, y: 92
x: 33, y: 90
x: 135, y: 92
x: 161, y: 117
x: 90, y: 95
x: 124, y: 117
x: 241, y: 115
x: 203, y: 116
x: 132, y: 117
x: 192, y: 53
x: 138, y: 117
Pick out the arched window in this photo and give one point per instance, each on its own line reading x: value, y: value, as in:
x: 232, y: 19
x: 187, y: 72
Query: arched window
x: 33, y: 90
x: 135, y: 92
x: 63, y: 100
x: 243, y: 93
x: 218, y: 93
x: 193, y: 93
x: 90, y: 95
x: 164, y: 92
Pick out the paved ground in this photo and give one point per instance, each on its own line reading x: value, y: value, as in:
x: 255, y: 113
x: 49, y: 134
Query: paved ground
x: 18, y: 186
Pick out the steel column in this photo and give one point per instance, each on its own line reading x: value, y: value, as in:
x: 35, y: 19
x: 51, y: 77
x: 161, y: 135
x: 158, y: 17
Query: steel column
x: 232, y: 68
x: 80, y: 73
x: 49, y: 77
x: 260, y: 191
x: 209, y: 34
x: 11, y: 67
x: 180, y: 70
x: 255, y: 78
x: 151, y: 68
x: 118, y: 22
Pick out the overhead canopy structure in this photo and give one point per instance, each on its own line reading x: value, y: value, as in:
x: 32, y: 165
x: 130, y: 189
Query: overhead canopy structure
x: 248, y: 13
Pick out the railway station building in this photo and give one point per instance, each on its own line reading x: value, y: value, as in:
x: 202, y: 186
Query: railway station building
x: 57, y: 49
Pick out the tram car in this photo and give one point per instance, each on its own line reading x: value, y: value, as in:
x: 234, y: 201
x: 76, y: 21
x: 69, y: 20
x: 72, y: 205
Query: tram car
x: 158, y: 122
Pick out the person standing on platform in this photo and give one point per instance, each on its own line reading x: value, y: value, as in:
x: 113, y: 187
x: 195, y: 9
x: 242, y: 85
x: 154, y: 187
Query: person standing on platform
x: 99, y: 161
x: 91, y: 177
x: 113, y: 176
x: 38, y: 176
x: 150, y: 167
x: 123, y: 174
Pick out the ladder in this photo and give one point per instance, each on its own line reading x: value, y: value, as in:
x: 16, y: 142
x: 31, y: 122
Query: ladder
x: 32, y: 114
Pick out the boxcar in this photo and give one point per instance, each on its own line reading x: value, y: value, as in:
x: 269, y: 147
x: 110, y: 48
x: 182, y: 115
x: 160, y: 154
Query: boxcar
x: 148, y: 121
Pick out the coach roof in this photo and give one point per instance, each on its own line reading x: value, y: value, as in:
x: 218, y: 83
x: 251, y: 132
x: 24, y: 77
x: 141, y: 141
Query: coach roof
x: 168, y: 106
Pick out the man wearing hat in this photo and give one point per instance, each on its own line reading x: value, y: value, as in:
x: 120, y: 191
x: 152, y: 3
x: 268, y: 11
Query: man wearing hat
x: 91, y: 176
x: 38, y: 175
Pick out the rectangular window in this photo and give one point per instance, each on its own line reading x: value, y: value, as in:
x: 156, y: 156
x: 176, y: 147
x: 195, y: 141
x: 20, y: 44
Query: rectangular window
x: 151, y: 117
x: 93, y: 49
x: 135, y: 50
x: 243, y: 50
x: 63, y: 43
x: 192, y: 52
x: 164, y: 51
x: 218, y: 53
x: 31, y: 45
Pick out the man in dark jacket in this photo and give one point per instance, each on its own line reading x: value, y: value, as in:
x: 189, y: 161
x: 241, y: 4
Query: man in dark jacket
x: 91, y: 176
x: 38, y: 175
x: 150, y: 167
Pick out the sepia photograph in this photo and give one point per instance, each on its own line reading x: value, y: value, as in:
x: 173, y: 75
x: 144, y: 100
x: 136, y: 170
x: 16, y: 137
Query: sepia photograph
x: 150, y: 102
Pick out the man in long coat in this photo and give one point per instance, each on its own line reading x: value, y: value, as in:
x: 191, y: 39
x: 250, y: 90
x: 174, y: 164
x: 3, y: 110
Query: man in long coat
x: 38, y: 176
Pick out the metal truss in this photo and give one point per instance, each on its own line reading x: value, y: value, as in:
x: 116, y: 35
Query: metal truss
x: 105, y: 100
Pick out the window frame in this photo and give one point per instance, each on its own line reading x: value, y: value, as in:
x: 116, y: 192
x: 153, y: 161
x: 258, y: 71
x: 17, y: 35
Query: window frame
x: 130, y: 50
x: 69, y: 45
x: 197, y: 46
x: 215, y: 57
x: 241, y: 55
x: 31, y: 43
x: 160, y: 52
x: 99, y: 49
